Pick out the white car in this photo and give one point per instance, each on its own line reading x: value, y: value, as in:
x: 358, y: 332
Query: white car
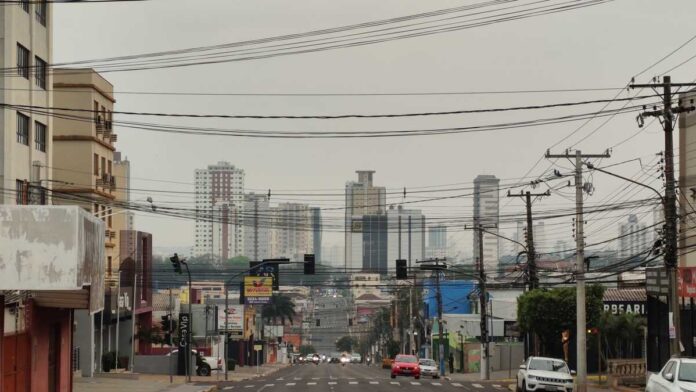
x: 428, y: 367
x: 678, y: 375
x: 545, y: 374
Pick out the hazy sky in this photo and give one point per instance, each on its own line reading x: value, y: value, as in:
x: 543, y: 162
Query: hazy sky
x: 601, y: 46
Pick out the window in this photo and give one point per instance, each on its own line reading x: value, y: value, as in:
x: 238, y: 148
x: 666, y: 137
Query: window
x: 108, y: 167
x: 97, y: 119
x: 108, y: 265
x: 40, y: 136
x: 21, y: 192
x: 22, y: 129
x: 25, y: 5
x: 40, y: 72
x: 103, y: 166
x: 23, y: 61
x: 96, y: 164
x: 41, y: 12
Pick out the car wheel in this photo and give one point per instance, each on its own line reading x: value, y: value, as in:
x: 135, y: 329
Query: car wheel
x: 393, y: 376
x: 524, y: 386
x: 204, y: 370
x: 417, y: 377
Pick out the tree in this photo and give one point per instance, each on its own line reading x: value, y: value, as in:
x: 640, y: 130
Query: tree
x: 620, y: 332
x: 238, y: 260
x: 547, y: 313
x: 346, y: 343
x: 280, y: 307
x: 307, y: 349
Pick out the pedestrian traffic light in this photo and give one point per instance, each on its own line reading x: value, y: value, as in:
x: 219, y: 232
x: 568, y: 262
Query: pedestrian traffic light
x: 176, y: 263
x: 401, y: 272
x: 309, y: 264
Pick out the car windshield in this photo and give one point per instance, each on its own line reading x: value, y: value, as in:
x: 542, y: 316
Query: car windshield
x: 687, y: 372
x: 427, y: 362
x: 406, y: 359
x: 548, y: 365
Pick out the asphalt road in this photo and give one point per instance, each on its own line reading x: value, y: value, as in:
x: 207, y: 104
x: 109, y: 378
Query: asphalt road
x: 350, y: 378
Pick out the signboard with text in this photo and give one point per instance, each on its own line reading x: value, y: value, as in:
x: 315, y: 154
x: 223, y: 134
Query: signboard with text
x: 258, y: 289
x: 686, y: 286
x: 234, y: 317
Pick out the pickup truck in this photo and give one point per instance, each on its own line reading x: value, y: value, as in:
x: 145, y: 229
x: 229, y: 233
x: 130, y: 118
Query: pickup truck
x: 204, y: 365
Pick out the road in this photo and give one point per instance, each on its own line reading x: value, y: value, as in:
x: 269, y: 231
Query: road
x: 351, y: 378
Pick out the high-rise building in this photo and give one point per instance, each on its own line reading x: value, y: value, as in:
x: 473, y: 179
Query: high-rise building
x: 362, y: 198
x: 633, y: 239
x: 292, y: 233
x: 122, y: 174
x: 219, y: 191
x: 332, y: 255
x: 317, y: 233
x: 375, y: 243
x: 26, y: 136
x: 257, y: 222
x: 83, y: 166
x: 687, y: 182
x: 437, y: 241
x: 406, y: 236
x: 486, y: 213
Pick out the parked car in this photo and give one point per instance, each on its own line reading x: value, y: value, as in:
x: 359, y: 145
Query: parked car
x: 678, y: 375
x: 405, y: 365
x: 204, y: 365
x: 428, y: 367
x: 545, y: 374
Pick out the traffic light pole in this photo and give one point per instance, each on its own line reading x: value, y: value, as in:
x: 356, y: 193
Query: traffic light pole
x: 437, y: 268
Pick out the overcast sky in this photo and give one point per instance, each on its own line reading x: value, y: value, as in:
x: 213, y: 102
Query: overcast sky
x: 600, y: 46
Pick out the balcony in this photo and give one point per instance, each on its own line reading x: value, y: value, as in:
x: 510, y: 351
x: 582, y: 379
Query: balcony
x: 100, y: 125
x: 106, y: 181
x: 113, y: 138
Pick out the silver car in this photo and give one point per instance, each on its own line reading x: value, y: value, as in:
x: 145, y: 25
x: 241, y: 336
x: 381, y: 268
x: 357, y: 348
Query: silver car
x: 428, y: 367
x: 678, y: 375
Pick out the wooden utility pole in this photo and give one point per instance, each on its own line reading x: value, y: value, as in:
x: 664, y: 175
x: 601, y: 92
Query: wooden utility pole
x: 581, y: 317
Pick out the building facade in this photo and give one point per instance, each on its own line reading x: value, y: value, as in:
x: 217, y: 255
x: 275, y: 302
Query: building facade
x: 83, y: 159
x: 687, y: 183
x: 257, y: 221
x: 362, y: 198
x: 219, y: 192
x: 26, y: 141
x: 292, y: 231
x: 633, y: 241
x: 486, y: 213
x: 406, y: 236
x: 437, y: 241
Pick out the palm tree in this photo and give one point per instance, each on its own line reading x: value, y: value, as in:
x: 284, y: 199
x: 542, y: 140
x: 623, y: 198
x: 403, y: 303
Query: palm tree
x: 280, y: 307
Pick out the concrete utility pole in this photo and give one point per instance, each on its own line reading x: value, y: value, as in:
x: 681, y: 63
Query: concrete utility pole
x: 437, y: 265
x: 670, y: 200
x: 485, y: 340
x: 532, y: 276
x: 581, y: 316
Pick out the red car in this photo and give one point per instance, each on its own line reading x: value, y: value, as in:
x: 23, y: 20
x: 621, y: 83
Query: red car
x: 405, y: 365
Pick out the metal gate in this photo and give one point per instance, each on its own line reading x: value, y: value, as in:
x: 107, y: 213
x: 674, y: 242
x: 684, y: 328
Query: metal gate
x: 16, y: 363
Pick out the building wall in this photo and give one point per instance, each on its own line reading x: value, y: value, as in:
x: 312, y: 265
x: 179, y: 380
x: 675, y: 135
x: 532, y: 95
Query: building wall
x: 19, y: 161
x: 362, y: 198
x: 687, y: 181
x: 410, y: 226
x: 222, y: 183
x: 292, y: 234
x: 486, y: 213
x: 634, y: 238
x: 258, y: 222
x: 375, y: 243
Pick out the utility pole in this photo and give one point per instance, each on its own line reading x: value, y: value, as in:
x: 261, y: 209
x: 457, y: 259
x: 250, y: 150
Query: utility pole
x: 485, y: 369
x: 581, y: 317
x: 670, y: 200
x: 532, y: 276
x: 437, y: 265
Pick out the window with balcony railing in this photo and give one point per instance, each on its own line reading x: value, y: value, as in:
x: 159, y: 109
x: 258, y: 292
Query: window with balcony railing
x: 40, y: 72
x: 22, y: 129
x: 40, y: 136
x: 22, y: 61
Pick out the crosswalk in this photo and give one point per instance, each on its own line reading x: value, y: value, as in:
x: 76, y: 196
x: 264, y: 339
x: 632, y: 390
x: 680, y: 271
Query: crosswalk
x: 297, y: 381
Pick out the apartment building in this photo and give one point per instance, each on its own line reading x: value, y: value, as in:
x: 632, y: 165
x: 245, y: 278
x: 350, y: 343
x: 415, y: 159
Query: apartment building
x: 362, y: 198
x: 486, y: 213
x: 83, y: 159
x: 26, y: 135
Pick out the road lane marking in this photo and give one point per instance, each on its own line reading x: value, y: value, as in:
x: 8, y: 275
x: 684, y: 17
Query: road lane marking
x: 436, y: 383
x: 279, y: 379
x: 415, y: 383
x: 332, y: 383
x: 290, y: 384
x: 353, y: 382
x: 497, y: 385
x: 248, y: 386
x: 456, y: 384
x: 477, y: 385
x: 227, y: 388
x: 269, y: 385
x: 298, y: 378
x: 375, y: 382
x: 315, y: 378
x: 394, y: 383
x: 311, y: 383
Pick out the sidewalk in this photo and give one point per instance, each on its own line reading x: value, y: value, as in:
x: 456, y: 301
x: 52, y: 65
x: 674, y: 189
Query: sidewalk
x: 160, y: 382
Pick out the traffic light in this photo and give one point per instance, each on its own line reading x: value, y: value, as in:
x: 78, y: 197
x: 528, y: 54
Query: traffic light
x: 309, y: 264
x: 401, y: 272
x: 176, y: 263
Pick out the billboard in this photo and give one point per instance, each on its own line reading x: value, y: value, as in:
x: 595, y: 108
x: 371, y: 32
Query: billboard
x: 258, y: 289
x: 269, y: 270
x: 687, y: 282
x: 235, y: 319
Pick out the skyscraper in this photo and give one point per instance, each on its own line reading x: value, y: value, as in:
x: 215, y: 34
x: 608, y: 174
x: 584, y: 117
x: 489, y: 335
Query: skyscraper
x: 219, y: 198
x: 362, y: 198
x: 292, y: 233
x: 437, y: 241
x: 257, y: 222
x: 406, y: 236
x: 486, y: 213
x: 634, y: 238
